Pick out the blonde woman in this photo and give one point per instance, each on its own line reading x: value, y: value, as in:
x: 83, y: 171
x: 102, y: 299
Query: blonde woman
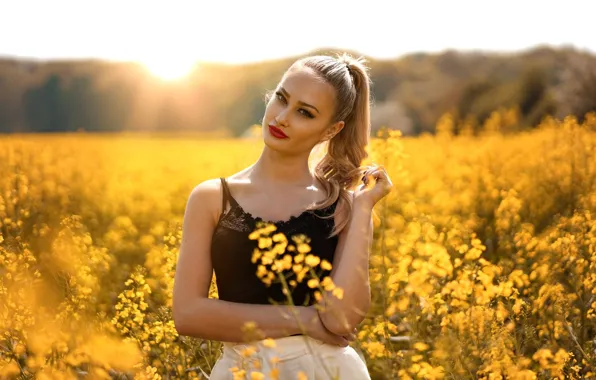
x: 320, y: 99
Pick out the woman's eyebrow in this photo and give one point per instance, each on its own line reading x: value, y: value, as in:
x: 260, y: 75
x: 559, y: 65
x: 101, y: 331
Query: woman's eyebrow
x: 283, y: 90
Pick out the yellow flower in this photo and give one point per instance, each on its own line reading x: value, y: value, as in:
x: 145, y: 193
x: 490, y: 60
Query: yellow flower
x: 256, y: 255
x: 266, y: 260
x: 375, y: 349
x: 249, y: 326
x: 274, y: 374
x: 239, y: 375
x: 303, y: 248
x: 274, y: 360
x: 261, y: 271
x: 265, y: 243
x: 269, y: 228
x: 12, y: 369
x: 403, y: 303
x: 313, y: 283
x: 312, y: 260
x: 279, y: 237
x: 338, y: 292
x: 302, y: 376
x: 326, y: 265
x: 257, y: 376
x: 287, y: 262
x: 328, y: 284
x: 301, y: 274
x: 248, y: 351
x: 269, y: 343
x: 267, y: 280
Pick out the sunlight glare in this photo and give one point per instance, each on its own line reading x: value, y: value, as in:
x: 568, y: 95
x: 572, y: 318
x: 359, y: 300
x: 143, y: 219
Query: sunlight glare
x: 169, y: 68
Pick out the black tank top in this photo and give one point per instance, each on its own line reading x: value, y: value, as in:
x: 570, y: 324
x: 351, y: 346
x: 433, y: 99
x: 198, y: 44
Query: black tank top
x: 232, y: 250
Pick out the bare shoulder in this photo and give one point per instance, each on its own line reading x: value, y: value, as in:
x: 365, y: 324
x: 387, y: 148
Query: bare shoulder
x: 207, y: 190
x: 207, y: 187
x: 206, y: 196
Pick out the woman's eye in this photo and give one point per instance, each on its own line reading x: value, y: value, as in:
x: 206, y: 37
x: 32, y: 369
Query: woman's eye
x: 280, y: 96
x: 282, y: 99
x: 306, y: 113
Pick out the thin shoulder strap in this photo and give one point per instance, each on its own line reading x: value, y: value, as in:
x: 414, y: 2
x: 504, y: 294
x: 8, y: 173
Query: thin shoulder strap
x: 227, y: 196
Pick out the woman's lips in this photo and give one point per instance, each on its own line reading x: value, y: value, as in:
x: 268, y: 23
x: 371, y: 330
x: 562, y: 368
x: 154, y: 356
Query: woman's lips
x: 276, y: 132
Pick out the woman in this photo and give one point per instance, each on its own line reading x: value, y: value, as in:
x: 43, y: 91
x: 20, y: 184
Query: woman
x: 319, y: 99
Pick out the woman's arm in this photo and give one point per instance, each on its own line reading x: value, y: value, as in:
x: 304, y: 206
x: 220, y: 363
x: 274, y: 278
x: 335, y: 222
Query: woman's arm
x: 350, y: 273
x: 195, y: 314
x: 341, y: 315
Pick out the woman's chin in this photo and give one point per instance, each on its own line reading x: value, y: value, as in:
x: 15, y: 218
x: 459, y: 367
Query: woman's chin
x: 273, y: 141
x: 275, y: 144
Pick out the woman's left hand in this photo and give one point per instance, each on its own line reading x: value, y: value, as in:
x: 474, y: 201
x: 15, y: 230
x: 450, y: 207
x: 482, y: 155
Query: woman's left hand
x: 375, y: 185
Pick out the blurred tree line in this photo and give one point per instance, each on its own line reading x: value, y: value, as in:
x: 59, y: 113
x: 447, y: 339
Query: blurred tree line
x: 410, y: 93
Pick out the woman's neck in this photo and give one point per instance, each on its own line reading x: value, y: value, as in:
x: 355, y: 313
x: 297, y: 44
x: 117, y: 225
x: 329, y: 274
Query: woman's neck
x: 275, y: 168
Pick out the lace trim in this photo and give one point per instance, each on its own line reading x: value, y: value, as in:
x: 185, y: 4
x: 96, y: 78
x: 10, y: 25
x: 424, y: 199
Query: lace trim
x: 238, y: 219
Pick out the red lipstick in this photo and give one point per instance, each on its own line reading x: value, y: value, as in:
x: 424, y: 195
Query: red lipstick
x: 277, y: 133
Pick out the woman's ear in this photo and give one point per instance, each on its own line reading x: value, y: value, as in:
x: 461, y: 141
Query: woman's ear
x: 333, y: 130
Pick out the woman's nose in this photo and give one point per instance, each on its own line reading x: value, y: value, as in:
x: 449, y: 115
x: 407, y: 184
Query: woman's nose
x: 282, y: 118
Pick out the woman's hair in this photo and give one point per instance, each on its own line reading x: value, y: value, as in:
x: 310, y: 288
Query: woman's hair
x: 340, y: 168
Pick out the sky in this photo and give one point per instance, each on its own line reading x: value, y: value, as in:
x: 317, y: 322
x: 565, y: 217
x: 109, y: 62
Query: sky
x: 177, y: 33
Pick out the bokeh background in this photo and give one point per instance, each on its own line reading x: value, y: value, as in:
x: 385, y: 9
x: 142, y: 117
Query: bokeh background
x: 484, y: 114
x: 205, y: 67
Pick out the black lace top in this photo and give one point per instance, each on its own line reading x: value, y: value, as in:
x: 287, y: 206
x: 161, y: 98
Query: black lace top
x: 232, y: 251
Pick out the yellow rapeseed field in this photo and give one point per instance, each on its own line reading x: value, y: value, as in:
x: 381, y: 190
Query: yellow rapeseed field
x: 483, y: 266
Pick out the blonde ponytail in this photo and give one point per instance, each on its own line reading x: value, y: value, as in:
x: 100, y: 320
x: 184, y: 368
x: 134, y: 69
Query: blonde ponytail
x: 340, y: 168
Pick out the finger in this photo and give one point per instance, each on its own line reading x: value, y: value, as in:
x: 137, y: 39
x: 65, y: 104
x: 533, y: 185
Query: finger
x: 369, y: 172
x: 380, y: 178
x: 365, y: 178
x: 378, y: 175
x: 365, y: 174
x: 381, y: 175
x: 368, y: 169
x: 373, y: 167
x: 378, y: 169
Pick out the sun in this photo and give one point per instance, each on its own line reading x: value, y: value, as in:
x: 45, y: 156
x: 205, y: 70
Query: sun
x: 169, y: 68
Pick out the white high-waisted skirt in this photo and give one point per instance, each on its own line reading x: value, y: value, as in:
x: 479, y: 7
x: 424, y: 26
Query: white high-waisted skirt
x: 293, y: 358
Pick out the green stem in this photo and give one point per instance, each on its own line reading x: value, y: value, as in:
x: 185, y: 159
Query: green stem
x: 300, y: 325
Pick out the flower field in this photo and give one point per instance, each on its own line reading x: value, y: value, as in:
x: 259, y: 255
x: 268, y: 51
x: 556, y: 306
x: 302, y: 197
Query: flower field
x: 483, y: 265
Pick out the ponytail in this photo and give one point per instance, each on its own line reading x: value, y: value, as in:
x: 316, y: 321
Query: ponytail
x: 340, y: 168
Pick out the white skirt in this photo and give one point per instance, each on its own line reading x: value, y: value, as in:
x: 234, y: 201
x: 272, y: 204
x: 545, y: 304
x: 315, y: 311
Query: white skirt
x: 297, y: 357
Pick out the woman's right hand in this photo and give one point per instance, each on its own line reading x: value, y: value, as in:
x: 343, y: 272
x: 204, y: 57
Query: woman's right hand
x: 317, y: 330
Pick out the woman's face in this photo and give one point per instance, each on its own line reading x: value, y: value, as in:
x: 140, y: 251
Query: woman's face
x: 302, y: 108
